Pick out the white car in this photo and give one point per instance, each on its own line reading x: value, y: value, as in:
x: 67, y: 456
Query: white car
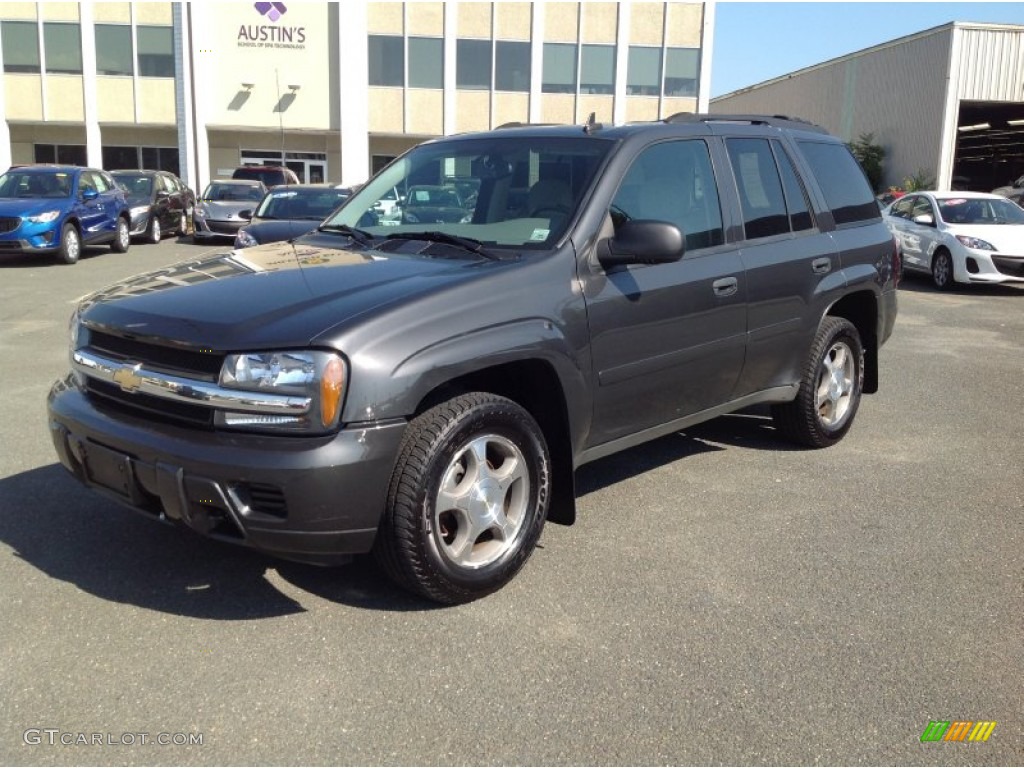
x: 963, y: 237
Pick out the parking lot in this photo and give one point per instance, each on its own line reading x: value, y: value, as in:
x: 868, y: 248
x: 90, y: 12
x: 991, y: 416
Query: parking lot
x: 723, y: 597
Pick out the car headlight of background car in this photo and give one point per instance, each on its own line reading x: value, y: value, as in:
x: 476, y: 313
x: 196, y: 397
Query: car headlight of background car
x: 139, y: 211
x: 43, y: 218
x: 317, y: 375
x: 244, y: 240
x: 975, y: 242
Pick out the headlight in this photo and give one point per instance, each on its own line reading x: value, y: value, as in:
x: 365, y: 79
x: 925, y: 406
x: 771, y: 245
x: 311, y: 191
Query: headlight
x: 44, y: 218
x: 139, y: 210
x: 317, y: 375
x: 74, y: 325
x: 244, y: 240
x: 411, y: 217
x: 975, y: 242
x: 199, y: 210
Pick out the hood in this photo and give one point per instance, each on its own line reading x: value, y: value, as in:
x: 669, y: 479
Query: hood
x: 223, y: 209
x: 274, y: 230
x: 278, y: 295
x: 30, y: 206
x: 1007, y: 238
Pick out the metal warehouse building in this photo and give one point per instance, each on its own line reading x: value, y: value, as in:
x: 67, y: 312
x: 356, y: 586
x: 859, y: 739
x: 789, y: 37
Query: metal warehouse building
x: 948, y: 101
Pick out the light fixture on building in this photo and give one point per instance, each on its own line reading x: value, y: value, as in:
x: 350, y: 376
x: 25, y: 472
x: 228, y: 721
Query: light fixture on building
x: 975, y: 127
x: 1015, y: 123
x: 294, y: 87
x: 248, y: 86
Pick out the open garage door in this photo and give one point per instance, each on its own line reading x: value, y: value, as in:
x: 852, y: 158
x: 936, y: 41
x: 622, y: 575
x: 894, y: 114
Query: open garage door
x: 989, y: 145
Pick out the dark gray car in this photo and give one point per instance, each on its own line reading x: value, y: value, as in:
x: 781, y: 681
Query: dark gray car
x: 287, y: 212
x: 425, y: 391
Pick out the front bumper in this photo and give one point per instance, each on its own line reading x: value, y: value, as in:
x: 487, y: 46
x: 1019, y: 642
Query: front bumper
x: 206, y: 228
x: 311, y: 499
x: 976, y: 266
x: 41, y: 238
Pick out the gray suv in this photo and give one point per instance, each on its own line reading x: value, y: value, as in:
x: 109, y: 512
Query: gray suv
x: 426, y: 389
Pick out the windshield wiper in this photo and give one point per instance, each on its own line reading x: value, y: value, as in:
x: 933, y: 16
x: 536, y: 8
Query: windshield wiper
x: 360, y: 236
x: 466, y: 243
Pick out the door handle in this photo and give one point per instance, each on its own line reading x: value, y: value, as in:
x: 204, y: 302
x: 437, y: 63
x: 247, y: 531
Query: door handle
x: 821, y: 266
x: 725, y: 286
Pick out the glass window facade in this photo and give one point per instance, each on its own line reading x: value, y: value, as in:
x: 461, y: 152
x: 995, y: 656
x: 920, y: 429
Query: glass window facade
x: 114, y: 55
x: 387, y: 60
x: 643, y: 75
x: 426, y: 62
x: 65, y: 154
x: 597, y: 69
x: 511, y: 66
x: 473, y: 64
x: 559, y: 75
x: 63, y: 48
x: 156, y: 51
x: 682, y: 71
x: 21, y: 46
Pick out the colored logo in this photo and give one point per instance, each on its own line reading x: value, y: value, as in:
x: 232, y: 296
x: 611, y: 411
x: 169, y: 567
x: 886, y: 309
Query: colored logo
x: 273, y: 11
x: 128, y: 378
x: 958, y: 730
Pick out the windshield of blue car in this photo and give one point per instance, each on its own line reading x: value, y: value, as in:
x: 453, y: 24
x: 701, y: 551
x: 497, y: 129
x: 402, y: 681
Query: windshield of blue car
x: 979, y: 211
x: 513, y: 191
x: 47, y: 184
x: 305, y: 204
x: 135, y: 185
x: 232, y: 193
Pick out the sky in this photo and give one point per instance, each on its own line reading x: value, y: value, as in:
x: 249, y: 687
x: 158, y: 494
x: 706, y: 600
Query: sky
x: 755, y: 42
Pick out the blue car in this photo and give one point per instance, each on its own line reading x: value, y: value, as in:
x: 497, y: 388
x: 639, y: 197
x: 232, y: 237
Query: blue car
x: 57, y: 209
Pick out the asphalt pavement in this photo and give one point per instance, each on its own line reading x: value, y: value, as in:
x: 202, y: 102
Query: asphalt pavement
x: 723, y: 598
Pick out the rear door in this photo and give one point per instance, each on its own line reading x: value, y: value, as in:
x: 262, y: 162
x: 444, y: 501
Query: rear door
x: 667, y: 340
x: 786, y: 256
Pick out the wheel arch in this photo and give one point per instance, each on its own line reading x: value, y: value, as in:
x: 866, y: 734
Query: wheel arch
x: 861, y: 309
x: 534, y: 384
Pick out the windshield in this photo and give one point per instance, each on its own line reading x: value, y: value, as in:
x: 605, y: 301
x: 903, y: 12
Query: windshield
x: 35, y: 184
x: 232, y: 192
x: 967, y: 210
x: 135, y: 185
x: 309, y: 204
x: 512, y: 191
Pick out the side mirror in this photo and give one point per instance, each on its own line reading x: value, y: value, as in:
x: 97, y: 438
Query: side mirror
x: 90, y: 193
x: 246, y: 214
x: 162, y: 194
x: 925, y: 219
x: 640, y: 241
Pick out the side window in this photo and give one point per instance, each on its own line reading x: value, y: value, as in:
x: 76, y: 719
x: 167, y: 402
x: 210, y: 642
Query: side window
x: 84, y: 182
x: 922, y: 207
x: 796, y: 198
x: 842, y: 182
x: 903, y: 207
x: 760, y: 188
x: 97, y: 180
x: 166, y: 184
x: 673, y: 181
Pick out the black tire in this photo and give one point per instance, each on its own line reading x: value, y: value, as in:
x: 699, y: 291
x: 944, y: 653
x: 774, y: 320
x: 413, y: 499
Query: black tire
x: 942, y: 270
x: 122, y: 238
x: 436, y: 552
x: 153, y: 231
x: 184, y: 224
x: 822, y: 414
x: 70, y: 244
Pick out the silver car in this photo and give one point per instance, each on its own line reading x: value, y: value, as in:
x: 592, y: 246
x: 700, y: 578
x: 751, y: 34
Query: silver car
x: 225, y: 207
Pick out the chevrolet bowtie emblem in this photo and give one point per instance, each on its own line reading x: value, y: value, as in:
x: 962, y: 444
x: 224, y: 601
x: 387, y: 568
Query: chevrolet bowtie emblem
x: 128, y: 378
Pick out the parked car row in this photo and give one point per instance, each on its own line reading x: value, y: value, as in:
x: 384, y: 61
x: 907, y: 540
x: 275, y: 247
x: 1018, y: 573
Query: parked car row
x: 959, y: 237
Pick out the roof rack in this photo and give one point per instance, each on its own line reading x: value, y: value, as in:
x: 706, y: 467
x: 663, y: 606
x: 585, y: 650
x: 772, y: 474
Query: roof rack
x: 516, y: 124
x: 779, y: 121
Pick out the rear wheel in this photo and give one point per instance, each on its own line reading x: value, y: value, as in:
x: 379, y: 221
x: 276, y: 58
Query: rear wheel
x: 70, y: 244
x: 468, y: 499
x: 942, y: 270
x: 123, y: 238
x: 184, y: 225
x: 830, y: 389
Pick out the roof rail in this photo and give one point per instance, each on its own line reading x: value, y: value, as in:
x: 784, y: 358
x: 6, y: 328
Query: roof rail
x: 779, y: 121
x: 515, y: 124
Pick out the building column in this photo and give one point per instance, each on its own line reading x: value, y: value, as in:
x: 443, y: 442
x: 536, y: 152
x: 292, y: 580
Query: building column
x: 189, y: 21
x: 621, y: 64
x: 448, y: 100
x: 707, y: 42
x: 5, y: 129
x: 353, y: 83
x: 536, y: 60
x: 93, y: 137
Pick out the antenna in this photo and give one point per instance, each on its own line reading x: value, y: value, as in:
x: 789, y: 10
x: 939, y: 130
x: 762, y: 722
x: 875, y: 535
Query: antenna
x: 592, y: 124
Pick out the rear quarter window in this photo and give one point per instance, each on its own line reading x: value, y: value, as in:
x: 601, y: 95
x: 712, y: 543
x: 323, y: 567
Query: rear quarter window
x: 842, y: 182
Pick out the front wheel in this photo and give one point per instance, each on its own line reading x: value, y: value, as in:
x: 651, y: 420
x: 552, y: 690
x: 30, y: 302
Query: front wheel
x: 942, y: 270
x: 154, y: 233
x: 467, y: 500
x: 70, y: 244
x: 830, y: 389
x: 123, y: 237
